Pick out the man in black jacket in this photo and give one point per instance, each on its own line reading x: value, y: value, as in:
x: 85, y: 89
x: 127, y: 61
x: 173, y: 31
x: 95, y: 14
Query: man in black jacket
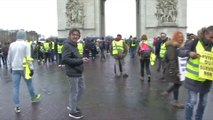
x: 74, y: 69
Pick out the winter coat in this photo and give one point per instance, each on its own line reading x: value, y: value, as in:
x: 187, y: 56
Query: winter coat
x: 201, y: 87
x: 171, y: 63
x: 72, y: 59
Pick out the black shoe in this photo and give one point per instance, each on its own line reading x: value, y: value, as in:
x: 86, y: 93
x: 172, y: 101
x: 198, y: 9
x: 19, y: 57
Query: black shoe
x: 158, y: 70
x: 125, y: 75
x: 76, y: 115
x: 149, y: 79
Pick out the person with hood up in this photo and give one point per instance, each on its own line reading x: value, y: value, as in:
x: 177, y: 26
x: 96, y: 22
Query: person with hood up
x: 18, y: 52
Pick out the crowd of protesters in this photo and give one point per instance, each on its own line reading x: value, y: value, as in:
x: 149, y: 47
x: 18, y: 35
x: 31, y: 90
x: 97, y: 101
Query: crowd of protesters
x: 73, y: 52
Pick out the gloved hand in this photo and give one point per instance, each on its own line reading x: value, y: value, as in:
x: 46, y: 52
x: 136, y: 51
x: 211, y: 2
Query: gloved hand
x: 31, y: 72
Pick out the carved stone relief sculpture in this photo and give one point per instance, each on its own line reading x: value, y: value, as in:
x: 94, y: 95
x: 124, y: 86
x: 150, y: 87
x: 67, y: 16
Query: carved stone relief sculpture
x: 166, y: 11
x: 74, y: 12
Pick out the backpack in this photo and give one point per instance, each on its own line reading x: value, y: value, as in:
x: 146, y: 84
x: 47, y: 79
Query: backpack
x: 145, y: 50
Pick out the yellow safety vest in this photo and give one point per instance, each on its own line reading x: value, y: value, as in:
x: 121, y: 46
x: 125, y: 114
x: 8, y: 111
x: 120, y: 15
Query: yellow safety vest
x: 26, y: 66
x: 152, y: 58
x: 163, y: 50
x: 46, y: 46
x: 117, y: 46
x: 192, y: 67
x: 80, y: 48
x: 59, y: 47
x: 53, y: 45
x: 133, y: 42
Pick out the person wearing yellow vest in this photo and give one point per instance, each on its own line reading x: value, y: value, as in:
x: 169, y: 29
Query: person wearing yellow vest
x: 59, y: 48
x: 40, y: 50
x: 47, y: 50
x: 81, y: 47
x: 161, y: 59
x: 52, y: 51
x: 161, y: 49
x: 144, y: 52
x: 198, y: 86
x: 172, y: 68
x: 119, y: 51
x: 18, y: 51
x: 133, y: 46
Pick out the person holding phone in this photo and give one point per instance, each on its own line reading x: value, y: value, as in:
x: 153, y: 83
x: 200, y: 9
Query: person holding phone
x: 74, y: 69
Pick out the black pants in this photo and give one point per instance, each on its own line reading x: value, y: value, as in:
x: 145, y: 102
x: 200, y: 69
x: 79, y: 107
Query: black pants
x: 40, y: 56
x: 175, y: 89
x: 59, y: 58
x: 47, y: 56
x: 145, y: 63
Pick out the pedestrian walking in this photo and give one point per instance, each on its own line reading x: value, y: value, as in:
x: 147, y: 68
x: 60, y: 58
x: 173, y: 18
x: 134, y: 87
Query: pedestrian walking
x: 18, y: 52
x: 198, y: 84
x: 172, y: 69
x: 144, y: 52
x: 119, y: 51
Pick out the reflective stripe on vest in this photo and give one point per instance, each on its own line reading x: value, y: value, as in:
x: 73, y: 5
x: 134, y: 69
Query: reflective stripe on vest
x: 53, y: 45
x: 80, y: 48
x: 192, y: 67
x: 26, y: 67
x: 59, y: 47
x: 162, y: 50
x: 117, y: 46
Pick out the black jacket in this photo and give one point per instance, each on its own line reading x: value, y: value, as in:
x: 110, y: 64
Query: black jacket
x: 72, y: 60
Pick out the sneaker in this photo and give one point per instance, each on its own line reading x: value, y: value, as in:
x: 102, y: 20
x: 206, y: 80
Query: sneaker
x: 76, y: 115
x: 36, y: 98
x: 141, y: 78
x: 17, y: 109
x: 77, y: 109
x: 178, y: 105
x: 165, y: 93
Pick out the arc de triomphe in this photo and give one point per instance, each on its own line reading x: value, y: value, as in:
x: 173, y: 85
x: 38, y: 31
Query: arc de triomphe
x: 152, y: 17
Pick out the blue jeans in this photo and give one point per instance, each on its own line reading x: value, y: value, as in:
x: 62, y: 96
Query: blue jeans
x: 77, y: 87
x: 133, y: 51
x: 16, y: 79
x: 192, y: 101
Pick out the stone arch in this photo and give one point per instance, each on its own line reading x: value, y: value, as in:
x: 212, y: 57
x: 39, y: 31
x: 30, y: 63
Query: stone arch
x: 89, y: 17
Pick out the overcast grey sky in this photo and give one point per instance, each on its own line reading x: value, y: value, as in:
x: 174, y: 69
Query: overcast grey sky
x: 41, y: 15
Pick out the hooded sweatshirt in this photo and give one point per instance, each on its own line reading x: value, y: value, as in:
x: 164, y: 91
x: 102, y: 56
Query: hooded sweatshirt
x: 18, y: 50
